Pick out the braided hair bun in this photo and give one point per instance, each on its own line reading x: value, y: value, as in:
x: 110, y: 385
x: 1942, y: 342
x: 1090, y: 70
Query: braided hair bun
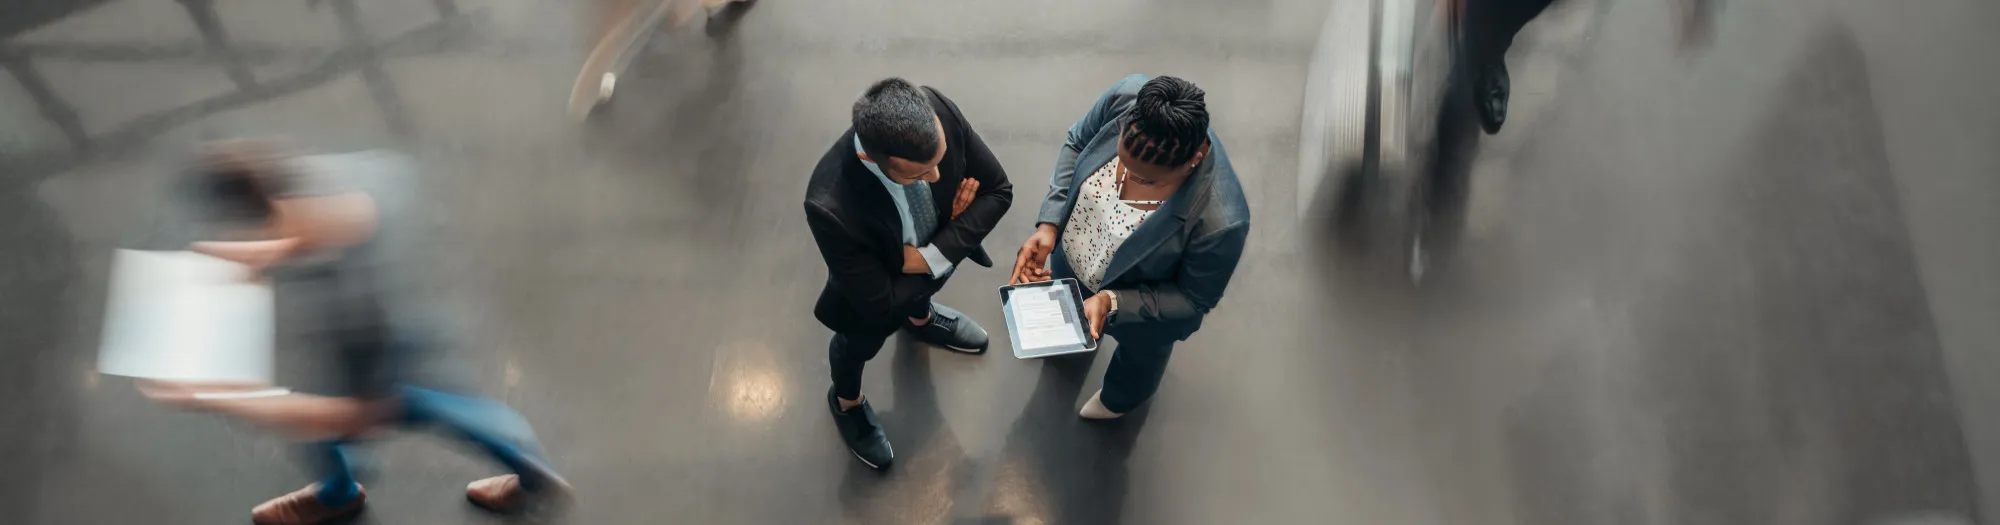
x: 1169, y: 122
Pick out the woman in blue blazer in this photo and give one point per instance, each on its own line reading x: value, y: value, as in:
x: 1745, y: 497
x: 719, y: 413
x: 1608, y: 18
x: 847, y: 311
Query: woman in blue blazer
x: 1145, y: 212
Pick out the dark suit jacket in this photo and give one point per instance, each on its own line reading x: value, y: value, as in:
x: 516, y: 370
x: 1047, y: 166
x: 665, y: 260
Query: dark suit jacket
x: 1172, y: 270
x: 861, y: 237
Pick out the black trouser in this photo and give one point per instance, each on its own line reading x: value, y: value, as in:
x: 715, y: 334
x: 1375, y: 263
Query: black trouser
x: 849, y: 353
x: 1490, y: 26
x: 1137, y: 365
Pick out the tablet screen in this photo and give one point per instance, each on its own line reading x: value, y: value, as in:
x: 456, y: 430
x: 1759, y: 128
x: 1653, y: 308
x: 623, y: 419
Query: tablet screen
x: 1044, y: 317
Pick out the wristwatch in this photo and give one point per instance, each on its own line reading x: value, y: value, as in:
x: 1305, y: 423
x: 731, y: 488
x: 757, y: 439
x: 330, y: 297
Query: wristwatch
x: 1114, y: 304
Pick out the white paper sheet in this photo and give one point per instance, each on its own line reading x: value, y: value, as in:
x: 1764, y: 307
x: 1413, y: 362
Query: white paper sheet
x: 1040, y: 318
x: 187, y: 317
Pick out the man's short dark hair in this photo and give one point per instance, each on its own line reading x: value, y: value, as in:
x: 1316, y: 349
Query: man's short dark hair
x: 1168, y: 123
x: 894, y: 119
x: 236, y: 179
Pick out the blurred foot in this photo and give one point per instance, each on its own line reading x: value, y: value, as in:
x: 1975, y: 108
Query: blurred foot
x: 723, y: 15
x: 861, y: 432
x: 1094, y: 408
x: 506, y: 495
x: 302, y: 507
x: 1696, y: 26
x: 605, y: 86
x: 1490, y: 96
x: 950, y: 329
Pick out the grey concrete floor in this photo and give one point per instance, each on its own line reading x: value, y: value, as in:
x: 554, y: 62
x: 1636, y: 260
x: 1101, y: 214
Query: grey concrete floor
x: 1747, y: 284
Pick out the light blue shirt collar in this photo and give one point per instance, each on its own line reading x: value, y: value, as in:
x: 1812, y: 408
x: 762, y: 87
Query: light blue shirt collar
x: 940, y: 266
x: 895, y: 193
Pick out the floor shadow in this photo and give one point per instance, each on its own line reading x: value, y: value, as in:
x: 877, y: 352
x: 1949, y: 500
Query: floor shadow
x: 723, y: 23
x: 23, y: 15
x: 42, y: 295
x: 1790, y: 367
x: 918, y: 487
x: 1076, y: 467
x: 361, y: 53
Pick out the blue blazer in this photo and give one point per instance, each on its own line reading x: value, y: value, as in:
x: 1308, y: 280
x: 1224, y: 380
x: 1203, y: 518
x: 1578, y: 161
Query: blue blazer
x: 1173, y: 269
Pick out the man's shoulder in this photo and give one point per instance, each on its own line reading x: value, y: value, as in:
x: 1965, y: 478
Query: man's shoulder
x: 828, y: 183
x: 946, y: 110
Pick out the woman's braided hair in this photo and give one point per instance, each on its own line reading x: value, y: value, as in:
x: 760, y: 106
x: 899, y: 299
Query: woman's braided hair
x: 1169, y: 122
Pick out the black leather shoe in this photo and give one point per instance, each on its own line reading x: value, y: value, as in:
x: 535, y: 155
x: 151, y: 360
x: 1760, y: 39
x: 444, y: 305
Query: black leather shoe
x: 952, y: 330
x: 862, y: 433
x: 1490, y: 96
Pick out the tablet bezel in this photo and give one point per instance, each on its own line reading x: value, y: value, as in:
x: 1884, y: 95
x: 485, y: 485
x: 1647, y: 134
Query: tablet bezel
x: 1076, y: 297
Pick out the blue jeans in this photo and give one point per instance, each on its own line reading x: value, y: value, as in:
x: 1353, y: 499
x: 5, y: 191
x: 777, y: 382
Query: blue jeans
x: 485, y: 423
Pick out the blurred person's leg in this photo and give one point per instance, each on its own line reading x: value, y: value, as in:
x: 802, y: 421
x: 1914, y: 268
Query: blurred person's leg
x: 612, y: 13
x: 337, y: 486
x: 337, y: 493
x: 432, y: 390
x: 1697, y: 21
x: 490, y: 425
x: 502, y: 433
x: 1137, y: 365
x: 619, y: 24
x: 1489, y: 32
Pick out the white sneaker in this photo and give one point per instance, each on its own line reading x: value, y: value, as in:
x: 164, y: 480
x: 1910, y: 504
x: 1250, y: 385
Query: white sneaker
x: 1094, y: 408
x: 605, y: 86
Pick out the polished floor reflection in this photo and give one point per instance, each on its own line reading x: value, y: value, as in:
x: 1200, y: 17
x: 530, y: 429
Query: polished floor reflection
x: 1738, y: 285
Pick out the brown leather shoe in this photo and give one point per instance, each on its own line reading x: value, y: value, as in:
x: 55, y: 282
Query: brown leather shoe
x: 504, y: 494
x: 302, y: 507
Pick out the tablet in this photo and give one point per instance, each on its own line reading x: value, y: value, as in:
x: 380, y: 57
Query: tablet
x: 1046, y: 318
x: 182, y: 316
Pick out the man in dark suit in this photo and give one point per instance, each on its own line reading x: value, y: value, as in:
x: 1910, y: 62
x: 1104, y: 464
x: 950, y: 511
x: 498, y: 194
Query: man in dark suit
x: 898, y: 201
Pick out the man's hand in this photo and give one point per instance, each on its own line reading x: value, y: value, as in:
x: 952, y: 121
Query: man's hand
x: 1095, y: 310
x: 967, y: 189
x: 257, y: 255
x: 1031, y: 262
x: 187, y: 395
x: 913, y: 261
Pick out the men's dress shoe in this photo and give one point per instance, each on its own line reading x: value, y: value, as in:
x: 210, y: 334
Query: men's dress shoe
x: 1490, y: 96
x: 950, y: 329
x: 1094, y: 409
x: 862, y: 432
x: 302, y: 507
x: 505, y: 494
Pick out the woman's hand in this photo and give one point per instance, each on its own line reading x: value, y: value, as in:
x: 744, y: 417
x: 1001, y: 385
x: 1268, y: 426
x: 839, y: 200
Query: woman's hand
x: 1095, y: 310
x: 1031, y: 262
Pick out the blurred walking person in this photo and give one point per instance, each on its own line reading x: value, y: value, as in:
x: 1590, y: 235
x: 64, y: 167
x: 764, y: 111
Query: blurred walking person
x: 1491, y: 26
x: 622, y: 26
x: 1146, y: 213
x: 333, y: 229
